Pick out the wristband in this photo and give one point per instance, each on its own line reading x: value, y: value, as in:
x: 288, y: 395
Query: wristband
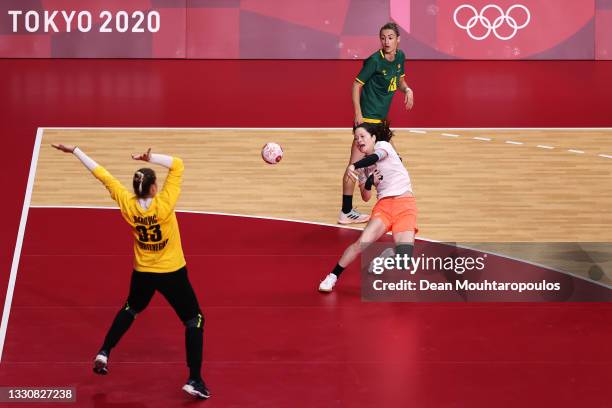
x: 369, y: 182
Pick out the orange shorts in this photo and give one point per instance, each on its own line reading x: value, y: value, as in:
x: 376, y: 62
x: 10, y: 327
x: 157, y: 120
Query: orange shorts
x: 398, y: 214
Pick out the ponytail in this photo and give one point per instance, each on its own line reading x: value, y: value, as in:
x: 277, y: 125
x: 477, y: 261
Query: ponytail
x: 142, y: 182
x: 138, y: 178
x: 384, y: 132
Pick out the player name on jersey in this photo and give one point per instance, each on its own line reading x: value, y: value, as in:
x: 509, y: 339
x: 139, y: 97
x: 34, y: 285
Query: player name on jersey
x: 148, y: 220
x: 152, y: 247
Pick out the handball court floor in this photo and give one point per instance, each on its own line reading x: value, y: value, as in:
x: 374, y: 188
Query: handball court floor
x: 270, y: 338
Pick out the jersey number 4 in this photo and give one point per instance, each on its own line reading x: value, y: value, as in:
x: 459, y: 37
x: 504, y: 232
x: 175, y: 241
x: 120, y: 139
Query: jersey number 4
x: 144, y: 236
x: 392, y: 85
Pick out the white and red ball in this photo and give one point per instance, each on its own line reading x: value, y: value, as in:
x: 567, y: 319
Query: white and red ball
x: 272, y: 153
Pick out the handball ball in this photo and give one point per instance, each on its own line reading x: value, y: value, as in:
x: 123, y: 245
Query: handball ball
x: 272, y: 153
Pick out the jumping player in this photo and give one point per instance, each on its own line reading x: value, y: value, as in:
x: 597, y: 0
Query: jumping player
x: 396, y: 207
x: 159, y: 263
x: 373, y: 89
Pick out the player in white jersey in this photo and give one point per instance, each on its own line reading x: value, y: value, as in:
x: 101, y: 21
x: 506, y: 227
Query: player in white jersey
x: 396, y: 207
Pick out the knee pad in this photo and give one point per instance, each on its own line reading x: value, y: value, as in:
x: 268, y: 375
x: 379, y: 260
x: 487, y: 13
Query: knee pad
x: 404, y: 249
x: 195, y: 323
x: 131, y: 311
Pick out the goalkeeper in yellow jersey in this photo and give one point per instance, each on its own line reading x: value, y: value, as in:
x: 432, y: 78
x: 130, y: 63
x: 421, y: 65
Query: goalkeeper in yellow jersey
x: 159, y: 263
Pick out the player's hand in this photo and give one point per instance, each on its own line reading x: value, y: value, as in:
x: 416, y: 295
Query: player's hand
x: 358, y: 120
x: 377, y: 177
x: 64, y: 148
x: 144, y: 156
x: 350, y: 175
x: 409, y: 99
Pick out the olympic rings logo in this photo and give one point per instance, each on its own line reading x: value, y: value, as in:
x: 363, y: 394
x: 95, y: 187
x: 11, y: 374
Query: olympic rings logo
x: 492, y: 27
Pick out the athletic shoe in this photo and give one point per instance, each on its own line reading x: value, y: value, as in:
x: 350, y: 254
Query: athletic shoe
x: 353, y: 217
x: 328, y: 283
x: 387, y: 253
x: 100, y: 363
x: 196, y: 388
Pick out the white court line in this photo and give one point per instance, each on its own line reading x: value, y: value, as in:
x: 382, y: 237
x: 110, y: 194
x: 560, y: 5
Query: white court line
x: 34, y: 163
x: 259, y: 217
x: 268, y: 129
x: 575, y: 151
x: 17, y: 254
x: 486, y: 139
x: 513, y: 142
x: 333, y: 226
x: 569, y: 129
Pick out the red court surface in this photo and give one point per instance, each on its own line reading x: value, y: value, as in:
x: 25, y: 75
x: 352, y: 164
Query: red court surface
x: 252, y: 93
x: 271, y: 340
x: 267, y: 331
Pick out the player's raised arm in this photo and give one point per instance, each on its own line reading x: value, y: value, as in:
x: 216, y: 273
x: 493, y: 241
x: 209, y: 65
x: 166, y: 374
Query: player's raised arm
x: 172, y: 187
x: 86, y: 160
x: 118, y: 192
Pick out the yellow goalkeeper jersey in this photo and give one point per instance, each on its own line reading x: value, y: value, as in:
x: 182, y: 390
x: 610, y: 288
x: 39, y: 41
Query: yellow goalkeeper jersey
x: 157, y: 240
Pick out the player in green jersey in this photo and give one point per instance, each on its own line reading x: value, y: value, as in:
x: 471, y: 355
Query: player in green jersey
x: 382, y: 74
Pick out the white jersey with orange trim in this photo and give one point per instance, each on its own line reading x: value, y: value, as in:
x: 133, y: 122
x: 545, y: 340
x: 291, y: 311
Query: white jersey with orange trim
x: 396, y: 180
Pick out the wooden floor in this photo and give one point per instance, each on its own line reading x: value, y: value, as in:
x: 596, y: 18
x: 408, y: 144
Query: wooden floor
x: 505, y: 186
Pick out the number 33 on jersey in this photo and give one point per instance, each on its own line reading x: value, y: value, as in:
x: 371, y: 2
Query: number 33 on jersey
x: 157, y: 241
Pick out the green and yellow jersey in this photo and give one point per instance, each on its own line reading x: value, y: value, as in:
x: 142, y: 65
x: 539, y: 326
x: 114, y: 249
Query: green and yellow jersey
x: 380, y: 79
x: 157, y: 240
